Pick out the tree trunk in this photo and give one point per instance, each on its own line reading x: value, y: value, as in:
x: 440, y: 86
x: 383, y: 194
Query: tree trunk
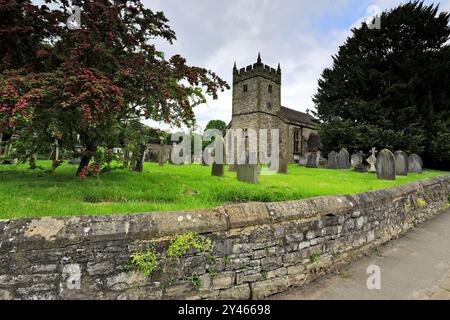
x: 140, y: 158
x: 84, y: 162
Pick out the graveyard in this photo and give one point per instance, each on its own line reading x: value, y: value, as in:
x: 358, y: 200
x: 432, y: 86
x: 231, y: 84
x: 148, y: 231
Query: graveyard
x: 255, y: 152
x: 27, y: 193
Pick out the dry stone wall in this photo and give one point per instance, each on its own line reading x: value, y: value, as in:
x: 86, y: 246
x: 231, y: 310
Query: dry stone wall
x: 259, y: 249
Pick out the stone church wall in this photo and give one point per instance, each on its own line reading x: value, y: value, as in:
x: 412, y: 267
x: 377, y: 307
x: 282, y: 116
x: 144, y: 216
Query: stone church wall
x: 259, y: 249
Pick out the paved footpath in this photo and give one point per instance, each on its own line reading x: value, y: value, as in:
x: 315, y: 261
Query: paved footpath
x: 417, y: 266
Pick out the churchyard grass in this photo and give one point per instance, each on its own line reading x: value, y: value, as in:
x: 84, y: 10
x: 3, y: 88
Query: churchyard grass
x: 26, y: 193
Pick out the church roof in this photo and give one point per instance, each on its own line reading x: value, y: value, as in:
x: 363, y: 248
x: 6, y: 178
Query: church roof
x: 297, y: 116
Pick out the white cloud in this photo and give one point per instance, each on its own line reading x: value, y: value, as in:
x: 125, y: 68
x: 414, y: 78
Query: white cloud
x: 301, y: 35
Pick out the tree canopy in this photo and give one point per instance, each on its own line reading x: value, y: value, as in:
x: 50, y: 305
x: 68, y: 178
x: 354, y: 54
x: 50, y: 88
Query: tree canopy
x: 389, y: 87
x: 80, y: 86
x: 216, y: 124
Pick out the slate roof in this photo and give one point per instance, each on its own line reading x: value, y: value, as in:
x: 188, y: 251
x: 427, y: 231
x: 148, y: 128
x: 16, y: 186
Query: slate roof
x: 297, y: 116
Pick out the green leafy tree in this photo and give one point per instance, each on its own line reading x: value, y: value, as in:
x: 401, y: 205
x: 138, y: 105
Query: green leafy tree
x: 80, y: 86
x: 389, y: 87
x: 216, y: 124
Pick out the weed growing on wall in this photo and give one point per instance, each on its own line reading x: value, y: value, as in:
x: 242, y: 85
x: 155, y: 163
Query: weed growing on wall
x: 194, y: 279
x: 187, y: 242
x: 146, y: 261
x: 315, y: 257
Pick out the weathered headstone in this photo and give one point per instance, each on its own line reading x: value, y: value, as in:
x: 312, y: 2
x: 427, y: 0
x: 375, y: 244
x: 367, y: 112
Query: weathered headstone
x: 161, y: 154
x: 386, y: 165
x: 415, y: 164
x: 356, y: 159
x: 321, y: 161
x: 303, y: 161
x: 312, y: 160
x: 283, y: 166
x: 332, y: 160
x: 344, y: 160
x: 248, y: 173
x: 217, y: 170
x: 372, y: 161
x: 401, y: 163
x: 313, y: 142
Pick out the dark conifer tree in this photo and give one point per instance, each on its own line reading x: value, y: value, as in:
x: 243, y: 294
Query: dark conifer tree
x: 389, y: 87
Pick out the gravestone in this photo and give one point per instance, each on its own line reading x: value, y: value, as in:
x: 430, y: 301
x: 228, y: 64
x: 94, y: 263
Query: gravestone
x: 401, y: 163
x: 332, y: 160
x: 415, y: 164
x: 217, y: 170
x: 372, y: 161
x: 358, y: 162
x: 344, y: 159
x: 386, y: 165
x: 321, y: 161
x: 312, y: 160
x: 161, y: 155
x: 313, y: 142
x: 357, y: 159
x: 248, y: 173
x: 232, y: 168
x: 303, y: 161
x: 283, y: 166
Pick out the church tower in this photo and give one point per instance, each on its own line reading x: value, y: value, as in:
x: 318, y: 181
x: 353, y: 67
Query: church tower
x: 257, y: 105
x: 256, y: 89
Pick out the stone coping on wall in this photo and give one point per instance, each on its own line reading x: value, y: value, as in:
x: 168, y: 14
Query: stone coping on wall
x: 56, y: 232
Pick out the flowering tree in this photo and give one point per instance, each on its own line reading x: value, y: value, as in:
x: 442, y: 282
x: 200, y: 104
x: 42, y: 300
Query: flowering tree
x: 79, y: 84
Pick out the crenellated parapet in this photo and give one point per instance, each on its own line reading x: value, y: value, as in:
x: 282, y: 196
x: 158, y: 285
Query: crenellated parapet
x: 257, y: 69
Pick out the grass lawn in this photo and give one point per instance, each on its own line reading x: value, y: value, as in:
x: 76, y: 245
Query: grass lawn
x: 25, y: 193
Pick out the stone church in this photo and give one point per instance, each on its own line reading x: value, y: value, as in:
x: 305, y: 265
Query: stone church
x: 257, y: 105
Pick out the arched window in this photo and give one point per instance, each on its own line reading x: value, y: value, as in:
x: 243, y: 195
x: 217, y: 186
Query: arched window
x: 270, y: 88
x: 245, y: 88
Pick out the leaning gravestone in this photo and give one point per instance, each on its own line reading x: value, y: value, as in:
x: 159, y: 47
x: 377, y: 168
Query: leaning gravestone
x: 218, y: 170
x: 332, y: 160
x: 312, y: 160
x: 248, y: 173
x: 344, y: 160
x: 401, y: 163
x: 386, y: 165
x: 415, y: 164
x: 283, y: 166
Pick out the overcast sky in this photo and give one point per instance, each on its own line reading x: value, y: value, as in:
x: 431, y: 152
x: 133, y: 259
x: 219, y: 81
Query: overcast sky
x: 301, y: 35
